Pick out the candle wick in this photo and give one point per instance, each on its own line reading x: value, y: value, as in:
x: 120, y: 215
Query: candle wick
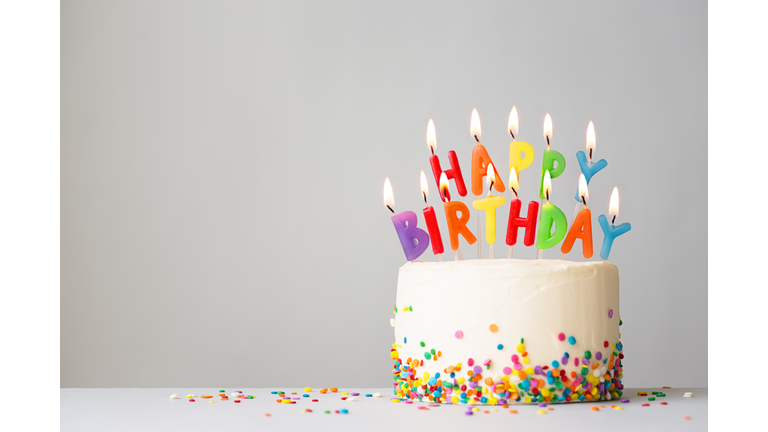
x: 547, y: 142
x: 613, y: 220
x: 433, y: 151
x: 425, y: 196
x: 513, y: 135
x: 590, y: 155
x: 476, y: 139
x: 547, y: 196
x: 390, y: 208
x: 584, y: 200
x: 513, y: 190
x: 490, y: 188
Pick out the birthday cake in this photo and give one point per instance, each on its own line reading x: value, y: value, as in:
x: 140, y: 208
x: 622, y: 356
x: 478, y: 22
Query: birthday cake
x: 507, y: 331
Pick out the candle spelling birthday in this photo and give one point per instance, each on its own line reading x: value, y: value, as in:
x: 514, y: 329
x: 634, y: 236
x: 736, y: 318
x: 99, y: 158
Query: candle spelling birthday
x: 480, y: 162
x: 515, y: 222
x: 582, y: 225
x: 431, y: 221
x: 488, y: 205
x: 457, y: 225
x: 414, y: 240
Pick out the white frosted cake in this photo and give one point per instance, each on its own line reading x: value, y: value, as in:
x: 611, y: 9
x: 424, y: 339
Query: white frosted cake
x: 507, y: 331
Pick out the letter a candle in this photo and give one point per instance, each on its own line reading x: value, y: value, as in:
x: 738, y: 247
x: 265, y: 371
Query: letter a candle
x: 610, y: 232
x: 480, y: 163
x: 456, y: 224
x: 550, y: 214
x: 581, y: 227
x: 453, y: 173
x: 431, y: 220
x: 414, y: 240
x: 488, y: 205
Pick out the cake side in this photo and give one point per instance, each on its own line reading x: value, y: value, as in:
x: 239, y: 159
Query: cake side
x: 507, y: 331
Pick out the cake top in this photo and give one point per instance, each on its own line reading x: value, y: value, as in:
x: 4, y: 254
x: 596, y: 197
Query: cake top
x: 509, y: 265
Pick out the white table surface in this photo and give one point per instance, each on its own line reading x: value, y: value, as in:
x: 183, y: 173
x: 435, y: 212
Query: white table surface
x: 85, y: 410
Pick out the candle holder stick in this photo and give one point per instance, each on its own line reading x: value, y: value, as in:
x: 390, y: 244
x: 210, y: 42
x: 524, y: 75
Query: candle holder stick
x: 479, y: 235
x: 440, y: 257
x: 540, y: 253
x: 509, y: 252
x: 490, y: 251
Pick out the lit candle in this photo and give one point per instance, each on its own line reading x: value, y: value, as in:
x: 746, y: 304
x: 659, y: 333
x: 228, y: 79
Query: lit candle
x: 550, y: 214
x: 610, y: 232
x: 453, y: 173
x: 517, y: 149
x: 480, y: 162
x: 457, y: 225
x: 515, y: 221
x: 431, y: 220
x: 480, y: 159
x: 582, y: 225
x: 413, y: 239
x: 552, y: 161
x: 488, y: 206
x: 588, y: 168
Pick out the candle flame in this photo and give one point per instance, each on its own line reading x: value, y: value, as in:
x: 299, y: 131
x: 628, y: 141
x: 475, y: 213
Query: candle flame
x: 491, y: 174
x: 613, y: 207
x: 389, y: 197
x: 424, y: 186
x: 513, y: 121
x: 444, y: 187
x: 547, y: 184
x: 513, y: 183
x: 431, y: 139
x: 590, y: 140
x: 548, y: 128
x: 474, y: 124
x: 583, y: 191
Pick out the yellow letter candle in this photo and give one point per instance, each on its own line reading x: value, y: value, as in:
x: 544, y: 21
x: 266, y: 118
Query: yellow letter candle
x: 552, y: 161
x: 517, y: 161
x: 488, y: 205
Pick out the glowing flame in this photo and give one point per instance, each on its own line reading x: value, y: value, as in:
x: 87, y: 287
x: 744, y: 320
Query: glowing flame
x: 583, y: 191
x: 590, y: 140
x: 424, y: 186
x: 513, y: 183
x: 613, y: 207
x: 474, y: 124
x: 389, y: 197
x: 444, y: 187
x: 491, y: 174
x: 431, y: 139
x: 548, y: 127
x: 512, y: 125
x: 547, y: 184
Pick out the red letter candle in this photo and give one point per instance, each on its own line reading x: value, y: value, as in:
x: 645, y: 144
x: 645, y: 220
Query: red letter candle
x: 414, y: 240
x: 453, y: 173
x: 431, y: 220
x: 456, y: 224
x: 515, y: 221
x: 582, y: 225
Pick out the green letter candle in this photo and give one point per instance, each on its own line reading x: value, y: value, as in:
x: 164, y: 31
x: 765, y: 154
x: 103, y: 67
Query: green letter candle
x: 550, y: 158
x: 550, y: 215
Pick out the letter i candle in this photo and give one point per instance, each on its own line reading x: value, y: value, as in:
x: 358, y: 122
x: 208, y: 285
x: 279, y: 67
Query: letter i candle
x: 431, y: 221
x: 414, y: 240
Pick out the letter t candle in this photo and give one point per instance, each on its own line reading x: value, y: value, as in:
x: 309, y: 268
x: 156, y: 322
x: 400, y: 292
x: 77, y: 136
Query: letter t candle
x: 488, y: 205
x: 480, y: 163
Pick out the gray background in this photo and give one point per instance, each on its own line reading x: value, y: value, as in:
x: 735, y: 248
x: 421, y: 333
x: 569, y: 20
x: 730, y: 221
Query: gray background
x: 223, y: 163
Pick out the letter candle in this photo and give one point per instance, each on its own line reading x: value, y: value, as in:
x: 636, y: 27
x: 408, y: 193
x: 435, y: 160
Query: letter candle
x: 414, y: 240
x: 588, y: 169
x: 550, y: 214
x: 517, y: 148
x: 480, y: 162
x: 453, y: 173
x: 456, y: 225
x: 431, y: 221
x: 581, y: 227
x: 550, y: 158
x: 611, y: 232
x: 488, y: 205
x: 515, y: 221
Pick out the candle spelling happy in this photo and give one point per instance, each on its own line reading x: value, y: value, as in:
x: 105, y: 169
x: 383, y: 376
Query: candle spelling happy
x: 413, y: 239
x: 453, y: 173
x: 480, y: 162
x: 517, y: 149
x: 552, y: 161
x: 588, y: 168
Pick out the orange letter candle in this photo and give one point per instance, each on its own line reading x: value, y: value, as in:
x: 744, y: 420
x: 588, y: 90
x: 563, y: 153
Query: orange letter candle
x: 481, y: 160
x: 456, y: 225
x: 582, y: 225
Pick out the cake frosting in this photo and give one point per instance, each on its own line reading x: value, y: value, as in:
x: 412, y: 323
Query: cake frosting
x: 507, y: 331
